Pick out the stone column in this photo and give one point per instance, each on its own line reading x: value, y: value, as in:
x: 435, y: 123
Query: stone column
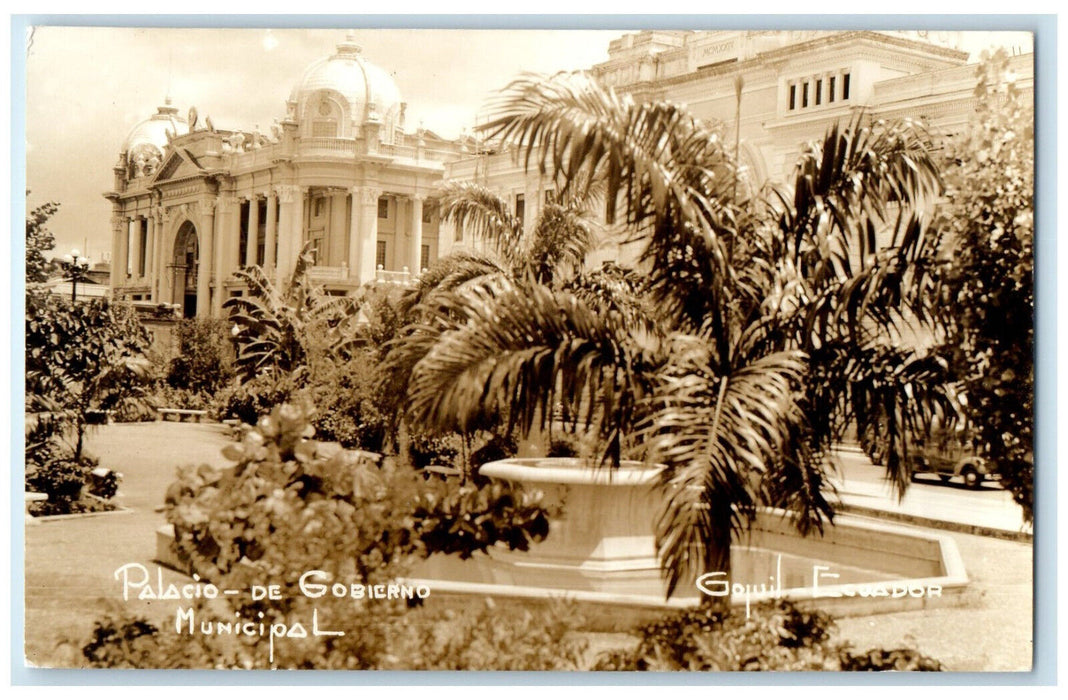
x: 205, y: 248
x: 232, y: 233
x: 155, y: 224
x: 118, y: 226
x: 129, y: 249
x: 301, y: 212
x: 223, y: 205
x: 272, y: 230
x: 368, y: 239
x: 335, y: 232
x: 290, y: 230
x: 416, y: 258
x: 355, y: 217
x: 135, y: 247
x: 165, y: 289
x: 253, y: 230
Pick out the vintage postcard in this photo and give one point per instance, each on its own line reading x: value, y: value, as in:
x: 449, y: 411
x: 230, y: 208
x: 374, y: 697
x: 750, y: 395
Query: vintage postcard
x: 540, y: 350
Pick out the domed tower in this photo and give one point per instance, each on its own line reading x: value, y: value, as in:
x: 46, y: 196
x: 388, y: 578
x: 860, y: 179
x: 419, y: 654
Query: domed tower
x: 144, y: 146
x: 346, y: 96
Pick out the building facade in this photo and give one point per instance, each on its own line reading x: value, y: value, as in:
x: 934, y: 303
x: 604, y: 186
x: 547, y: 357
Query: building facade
x: 193, y: 204
x: 775, y: 90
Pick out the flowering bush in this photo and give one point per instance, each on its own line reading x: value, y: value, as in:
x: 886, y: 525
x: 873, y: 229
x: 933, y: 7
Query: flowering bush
x: 774, y: 637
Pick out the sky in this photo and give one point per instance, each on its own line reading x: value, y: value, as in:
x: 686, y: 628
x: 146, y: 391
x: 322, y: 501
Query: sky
x: 87, y: 87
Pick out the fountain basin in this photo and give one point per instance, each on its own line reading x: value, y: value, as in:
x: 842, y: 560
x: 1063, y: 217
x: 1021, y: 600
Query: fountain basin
x: 601, y: 553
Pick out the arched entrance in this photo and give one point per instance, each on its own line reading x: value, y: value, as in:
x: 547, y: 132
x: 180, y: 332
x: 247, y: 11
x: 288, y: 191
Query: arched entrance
x: 185, y: 264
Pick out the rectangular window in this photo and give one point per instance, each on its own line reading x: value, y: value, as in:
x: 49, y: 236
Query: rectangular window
x: 804, y: 94
x: 819, y: 90
x: 424, y: 257
x: 845, y: 86
x: 520, y: 208
x: 242, y: 244
x: 383, y: 208
x: 830, y: 89
x: 261, y: 234
x: 380, y: 255
x: 318, y: 207
x: 427, y: 211
x: 550, y: 197
x: 142, y: 253
x: 793, y: 97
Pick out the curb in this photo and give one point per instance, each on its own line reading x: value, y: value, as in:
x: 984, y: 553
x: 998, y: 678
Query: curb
x: 968, y: 529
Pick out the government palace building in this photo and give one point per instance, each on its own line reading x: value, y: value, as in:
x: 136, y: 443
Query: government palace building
x: 193, y: 202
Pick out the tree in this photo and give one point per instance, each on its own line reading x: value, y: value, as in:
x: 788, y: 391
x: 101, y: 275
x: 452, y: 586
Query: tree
x: 39, y: 240
x: 82, y: 358
x: 544, y: 265
x: 778, y: 318
x: 205, y: 356
x: 275, y: 327
x: 986, y: 229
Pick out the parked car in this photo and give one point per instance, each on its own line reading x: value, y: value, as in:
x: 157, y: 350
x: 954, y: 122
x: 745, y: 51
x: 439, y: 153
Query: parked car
x: 950, y: 454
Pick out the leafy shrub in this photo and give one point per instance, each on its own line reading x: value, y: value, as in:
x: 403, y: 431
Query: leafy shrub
x: 349, y: 402
x: 361, y: 510
x: 204, y: 363
x: 83, y: 358
x: 425, y: 450
x: 286, y: 508
x: 497, y: 447
x: 250, y: 400
x: 62, y: 480
x: 775, y: 637
x: 486, y: 638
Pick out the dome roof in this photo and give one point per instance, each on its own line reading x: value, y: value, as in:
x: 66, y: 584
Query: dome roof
x: 153, y: 131
x: 360, y: 82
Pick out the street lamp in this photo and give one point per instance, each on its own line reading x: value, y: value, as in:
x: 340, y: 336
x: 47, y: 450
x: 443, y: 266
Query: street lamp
x: 75, y: 265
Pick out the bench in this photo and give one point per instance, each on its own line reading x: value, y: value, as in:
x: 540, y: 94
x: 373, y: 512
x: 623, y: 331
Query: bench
x: 181, y: 414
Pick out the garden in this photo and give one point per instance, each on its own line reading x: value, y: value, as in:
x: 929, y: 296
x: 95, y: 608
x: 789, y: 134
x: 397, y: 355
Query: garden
x: 756, y: 328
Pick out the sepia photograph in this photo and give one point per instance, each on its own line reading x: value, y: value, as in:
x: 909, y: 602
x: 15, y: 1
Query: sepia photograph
x: 574, y: 350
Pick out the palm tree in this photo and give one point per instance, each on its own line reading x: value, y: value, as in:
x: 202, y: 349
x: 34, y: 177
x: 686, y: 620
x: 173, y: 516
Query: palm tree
x: 775, y: 321
x: 274, y: 326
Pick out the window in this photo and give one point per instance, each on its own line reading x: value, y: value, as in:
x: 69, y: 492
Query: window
x: 261, y: 233
x: 318, y: 207
x: 427, y: 211
x: 550, y: 197
x: 819, y: 90
x: 845, y: 86
x: 804, y: 94
x: 520, y: 208
x: 383, y: 208
x: 793, y: 97
x: 424, y: 257
x: 380, y: 255
x: 143, y: 244
x: 242, y: 244
x: 830, y: 89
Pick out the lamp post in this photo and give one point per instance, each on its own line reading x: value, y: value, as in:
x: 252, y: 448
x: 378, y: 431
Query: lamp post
x: 75, y: 265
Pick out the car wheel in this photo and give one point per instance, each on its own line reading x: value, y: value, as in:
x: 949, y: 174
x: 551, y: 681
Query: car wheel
x: 971, y: 477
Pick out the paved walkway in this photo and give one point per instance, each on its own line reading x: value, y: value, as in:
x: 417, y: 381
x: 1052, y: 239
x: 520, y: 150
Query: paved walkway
x: 70, y: 563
